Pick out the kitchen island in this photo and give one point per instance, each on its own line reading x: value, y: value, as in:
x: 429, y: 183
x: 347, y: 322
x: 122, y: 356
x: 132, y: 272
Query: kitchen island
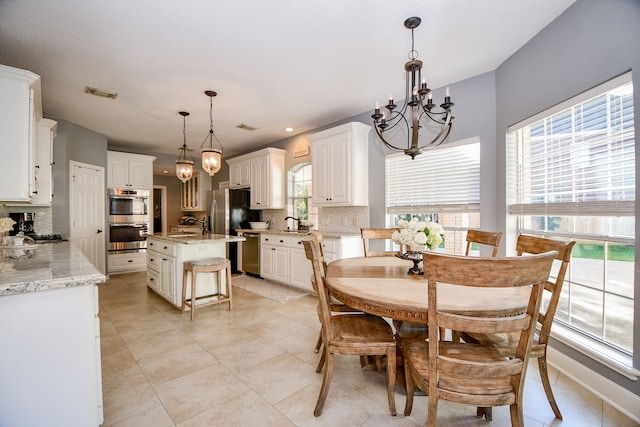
x: 166, y: 255
x: 50, y: 333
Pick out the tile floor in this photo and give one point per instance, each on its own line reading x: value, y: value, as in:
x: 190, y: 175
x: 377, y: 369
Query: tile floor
x: 255, y: 366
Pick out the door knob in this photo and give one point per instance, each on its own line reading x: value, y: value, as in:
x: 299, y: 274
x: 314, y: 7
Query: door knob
x: 99, y: 231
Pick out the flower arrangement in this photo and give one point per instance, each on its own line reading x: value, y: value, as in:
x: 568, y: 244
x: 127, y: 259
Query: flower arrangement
x: 6, y: 224
x: 418, y: 233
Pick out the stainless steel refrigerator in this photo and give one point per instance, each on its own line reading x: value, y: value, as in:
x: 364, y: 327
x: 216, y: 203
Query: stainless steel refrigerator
x: 229, y: 210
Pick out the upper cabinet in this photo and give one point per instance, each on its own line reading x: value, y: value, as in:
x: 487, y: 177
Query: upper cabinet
x: 126, y: 170
x: 239, y: 173
x: 339, y: 157
x: 265, y: 170
x: 43, y: 194
x: 194, y: 192
x: 20, y: 111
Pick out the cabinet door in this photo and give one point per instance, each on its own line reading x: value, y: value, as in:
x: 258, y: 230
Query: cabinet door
x: 300, y: 273
x: 260, y: 182
x: 193, y: 193
x: 43, y: 159
x: 281, y: 264
x: 168, y: 280
x: 266, y: 261
x: 240, y: 174
x: 339, y: 180
x: 139, y: 174
x: 117, y: 171
x: 321, y: 171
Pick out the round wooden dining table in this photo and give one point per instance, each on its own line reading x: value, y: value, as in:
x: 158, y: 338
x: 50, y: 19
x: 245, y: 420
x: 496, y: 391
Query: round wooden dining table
x: 382, y: 286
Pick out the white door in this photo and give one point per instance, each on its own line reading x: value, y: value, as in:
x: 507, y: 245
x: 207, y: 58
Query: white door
x: 87, y: 210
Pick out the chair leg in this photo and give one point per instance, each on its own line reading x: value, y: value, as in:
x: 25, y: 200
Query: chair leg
x: 184, y: 290
x: 323, y: 357
x: 391, y: 380
x: 229, y: 291
x: 517, y: 416
x: 193, y: 295
x: 433, y: 405
x: 544, y: 376
x: 324, y: 390
x: 318, y: 343
x: 409, y: 387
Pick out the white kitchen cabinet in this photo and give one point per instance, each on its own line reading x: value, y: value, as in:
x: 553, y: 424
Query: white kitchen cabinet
x: 239, y: 173
x: 344, y: 247
x: 301, y: 269
x: 125, y: 263
x: 126, y: 170
x: 274, y: 259
x: 193, y: 194
x: 339, y: 158
x: 50, y: 360
x: 20, y: 111
x: 266, y: 177
x: 43, y: 193
x: 165, y: 263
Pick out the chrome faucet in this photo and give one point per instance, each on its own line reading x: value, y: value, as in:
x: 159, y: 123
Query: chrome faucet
x: 204, y: 222
x: 296, y: 220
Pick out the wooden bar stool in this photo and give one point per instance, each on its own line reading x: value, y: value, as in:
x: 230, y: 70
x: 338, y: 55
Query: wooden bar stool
x: 207, y: 265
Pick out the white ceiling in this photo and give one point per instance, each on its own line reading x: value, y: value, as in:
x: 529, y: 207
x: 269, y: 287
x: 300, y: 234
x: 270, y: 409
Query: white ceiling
x: 273, y: 63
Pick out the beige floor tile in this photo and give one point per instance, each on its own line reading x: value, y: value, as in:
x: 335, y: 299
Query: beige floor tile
x: 248, y: 409
x: 112, y: 344
x: 277, y: 327
x: 240, y: 356
x: 175, y: 362
x: 611, y: 417
x: 106, y: 325
x: 192, y: 394
x: 117, y: 367
x: 154, y: 417
x: 277, y: 378
x: 221, y: 335
x: 155, y: 345
x: 300, y: 344
x: 124, y: 399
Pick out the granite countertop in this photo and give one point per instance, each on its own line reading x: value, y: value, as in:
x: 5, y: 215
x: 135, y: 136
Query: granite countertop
x: 325, y: 234
x: 54, y: 266
x: 197, y: 238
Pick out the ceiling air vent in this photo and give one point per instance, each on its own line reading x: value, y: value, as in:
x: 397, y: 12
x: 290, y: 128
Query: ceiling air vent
x: 245, y: 127
x: 101, y: 92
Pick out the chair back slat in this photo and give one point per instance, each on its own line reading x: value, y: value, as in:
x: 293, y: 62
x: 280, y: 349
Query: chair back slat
x: 487, y: 238
x: 377, y: 234
x: 312, y: 252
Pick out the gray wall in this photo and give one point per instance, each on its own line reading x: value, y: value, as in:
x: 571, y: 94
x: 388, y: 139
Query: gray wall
x: 72, y: 142
x: 592, y: 42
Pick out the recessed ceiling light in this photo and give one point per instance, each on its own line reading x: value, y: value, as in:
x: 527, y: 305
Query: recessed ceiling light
x: 101, y: 92
x: 288, y: 129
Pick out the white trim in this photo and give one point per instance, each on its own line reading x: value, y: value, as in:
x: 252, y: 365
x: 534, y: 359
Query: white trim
x: 582, y: 97
x: 618, y: 397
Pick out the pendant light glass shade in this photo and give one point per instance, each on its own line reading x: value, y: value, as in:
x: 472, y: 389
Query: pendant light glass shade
x: 211, y: 157
x: 184, y: 166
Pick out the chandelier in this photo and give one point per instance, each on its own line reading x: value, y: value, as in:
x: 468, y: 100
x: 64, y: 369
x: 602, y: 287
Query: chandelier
x: 184, y: 166
x: 211, y: 157
x: 417, y: 112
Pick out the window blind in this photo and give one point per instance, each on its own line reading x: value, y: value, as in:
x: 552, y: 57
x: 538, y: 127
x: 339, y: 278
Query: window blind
x: 579, y: 161
x: 446, y: 179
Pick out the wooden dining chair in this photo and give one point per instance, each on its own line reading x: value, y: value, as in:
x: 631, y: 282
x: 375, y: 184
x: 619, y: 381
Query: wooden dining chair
x: 487, y: 238
x: 508, y: 342
x: 357, y: 333
x: 334, y: 305
x: 377, y: 234
x: 470, y: 373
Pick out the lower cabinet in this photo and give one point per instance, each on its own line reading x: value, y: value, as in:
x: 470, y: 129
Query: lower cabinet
x: 282, y: 257
x: 126, y: 263
x: 165, y: 261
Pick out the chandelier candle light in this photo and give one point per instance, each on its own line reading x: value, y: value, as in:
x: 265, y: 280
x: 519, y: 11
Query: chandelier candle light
x: 211, y: 157
x: 184, y: 166
x: 417, y: 111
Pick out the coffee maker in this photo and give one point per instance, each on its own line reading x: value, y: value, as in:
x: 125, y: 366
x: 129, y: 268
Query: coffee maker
x: 24, y: 222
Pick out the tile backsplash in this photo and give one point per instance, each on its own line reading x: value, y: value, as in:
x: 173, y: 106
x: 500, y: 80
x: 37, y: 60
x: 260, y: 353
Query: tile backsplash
x: 334, y: 220
x: 43, y: 218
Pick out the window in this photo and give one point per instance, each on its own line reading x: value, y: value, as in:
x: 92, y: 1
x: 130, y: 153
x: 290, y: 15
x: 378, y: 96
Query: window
x: 573, y: 177
x: 301, y: 194
x: 441, y: 185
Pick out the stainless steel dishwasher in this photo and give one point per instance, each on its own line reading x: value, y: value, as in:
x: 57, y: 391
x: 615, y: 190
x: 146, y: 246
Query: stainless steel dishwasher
x: 251, y: 254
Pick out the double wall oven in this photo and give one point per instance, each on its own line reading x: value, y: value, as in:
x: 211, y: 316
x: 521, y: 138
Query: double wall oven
x: 128, y: 220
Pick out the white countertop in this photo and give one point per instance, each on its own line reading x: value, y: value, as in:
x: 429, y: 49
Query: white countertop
x: 325, y: 234
x: 55, y: 266
x: 197, y: 238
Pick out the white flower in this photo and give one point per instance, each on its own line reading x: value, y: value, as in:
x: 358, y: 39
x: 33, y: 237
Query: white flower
x: 6, y: 224
x: 418, y: 233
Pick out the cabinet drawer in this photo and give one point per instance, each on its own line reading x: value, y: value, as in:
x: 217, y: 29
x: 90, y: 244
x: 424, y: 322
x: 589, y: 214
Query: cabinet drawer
x: 282, y: 241
x: 166, y: 248
x: 126, y: 262
x: 296, y: 243
x: 267, y: 239
x: 152, y: 280
x: 153, y: 260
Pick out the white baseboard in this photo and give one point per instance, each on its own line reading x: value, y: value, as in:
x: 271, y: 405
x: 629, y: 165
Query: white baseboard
x: 618, y: 397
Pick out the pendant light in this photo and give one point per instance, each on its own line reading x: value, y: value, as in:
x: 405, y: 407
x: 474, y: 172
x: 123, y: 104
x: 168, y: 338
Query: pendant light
x: 184, y: 166
x: 211, y: 157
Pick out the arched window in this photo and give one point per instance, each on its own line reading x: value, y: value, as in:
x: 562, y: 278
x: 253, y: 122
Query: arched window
x: 300, y: 194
